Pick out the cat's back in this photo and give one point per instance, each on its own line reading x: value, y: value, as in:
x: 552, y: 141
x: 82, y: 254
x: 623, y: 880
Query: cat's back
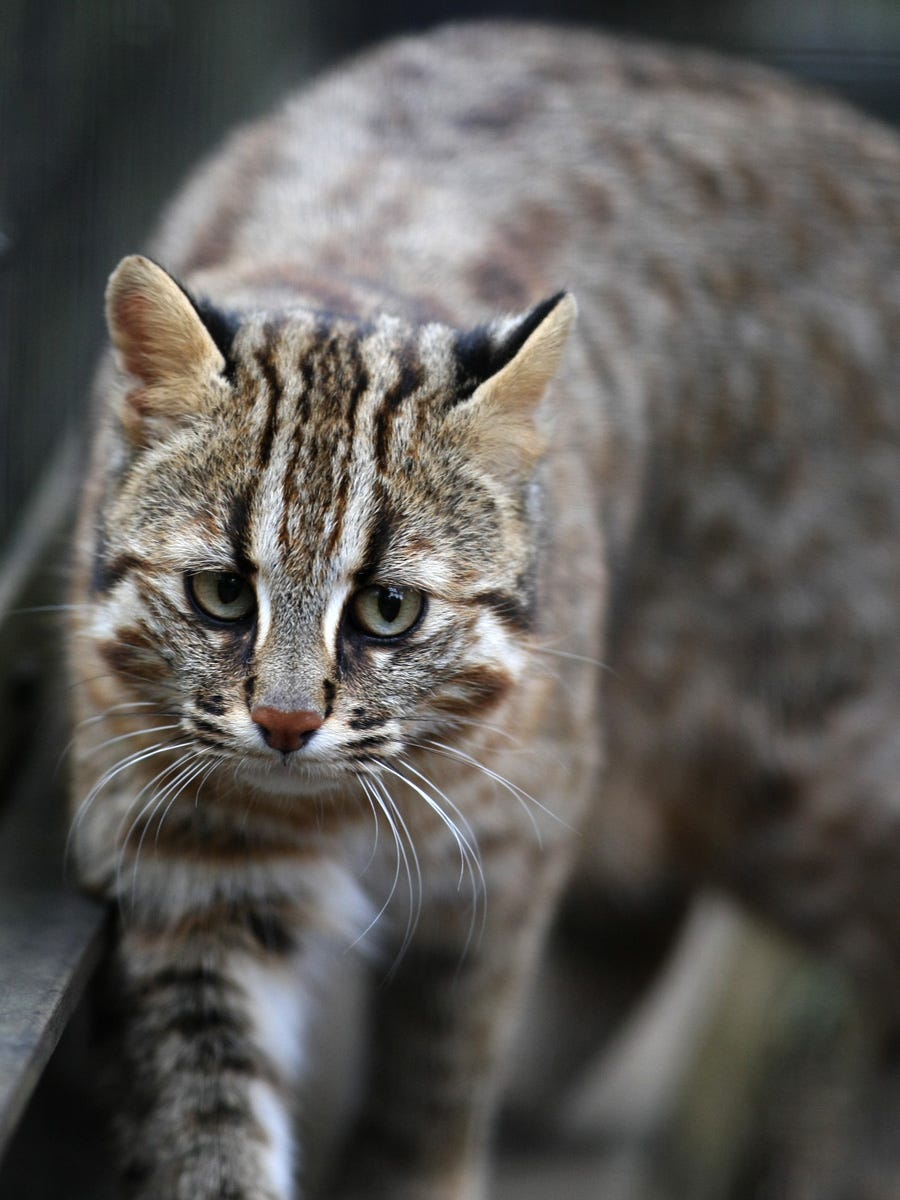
x: 483, y: 163
x: 734, y: 245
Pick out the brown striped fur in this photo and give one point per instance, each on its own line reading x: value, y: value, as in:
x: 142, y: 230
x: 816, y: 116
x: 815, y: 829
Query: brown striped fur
x: 701, y: 493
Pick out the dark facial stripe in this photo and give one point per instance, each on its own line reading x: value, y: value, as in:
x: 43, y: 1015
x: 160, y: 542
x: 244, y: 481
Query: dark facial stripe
x: 207, y: 727
x: 355, y: 378
x: 379, y: 540
x: 289, y: 490
x: 361, y: 721
x: 411, y: 375
x: 238, y: 531
x: 106, y: 572
x: 269, y: 373
x: 477, y: 689
x: 510, y: 609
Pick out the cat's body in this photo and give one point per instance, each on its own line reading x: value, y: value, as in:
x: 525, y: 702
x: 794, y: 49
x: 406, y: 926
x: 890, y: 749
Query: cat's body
x: 708, y: 502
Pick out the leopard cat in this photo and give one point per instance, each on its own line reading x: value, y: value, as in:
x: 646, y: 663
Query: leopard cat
x: 404, y: 591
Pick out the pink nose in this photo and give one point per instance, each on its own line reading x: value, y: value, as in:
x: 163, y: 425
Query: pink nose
x: 285, y: 731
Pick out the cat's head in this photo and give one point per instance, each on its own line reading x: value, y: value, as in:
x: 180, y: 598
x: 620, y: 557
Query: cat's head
x: 317, y: 544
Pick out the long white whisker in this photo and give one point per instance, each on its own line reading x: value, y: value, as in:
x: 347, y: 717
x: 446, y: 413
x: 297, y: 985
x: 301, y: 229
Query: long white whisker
x: 456, y: 721
x: 470, y: 859
x: 591, y: 662
x: 170, y: 769
x: 116, y: 708
x: 407, y: 851
x: 374, y: 807
x: 124, y: 737
x: 102, y: 717
x: 188, y: 776
x: 376, y: 802
x: 174, y: 788
x: 107, y: 777
x: 512, y: 788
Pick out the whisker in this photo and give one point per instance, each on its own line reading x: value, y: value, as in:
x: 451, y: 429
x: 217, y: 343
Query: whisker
x: 173, y: 789
x: 470, y: 858
x: 44, y: 608
x: 114, y: 708
x: 85, y: 721
x: 374, y: 807
x: 454, y: 721
x: 376, y: 802
x: 395, y: 818
x: 585, y: 658
x: 513, y: 788
x: 107, y: 777
x: 123, y: 737
x: 172, y: 768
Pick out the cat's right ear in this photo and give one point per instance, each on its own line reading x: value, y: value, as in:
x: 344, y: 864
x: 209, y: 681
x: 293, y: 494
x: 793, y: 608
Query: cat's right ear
x: 162, y: 343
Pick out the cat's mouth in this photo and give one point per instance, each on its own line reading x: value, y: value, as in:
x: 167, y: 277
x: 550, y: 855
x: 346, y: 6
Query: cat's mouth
x: 290, y: 775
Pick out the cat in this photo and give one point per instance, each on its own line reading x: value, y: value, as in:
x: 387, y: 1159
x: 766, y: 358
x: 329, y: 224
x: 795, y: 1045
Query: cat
x: 496, y: 479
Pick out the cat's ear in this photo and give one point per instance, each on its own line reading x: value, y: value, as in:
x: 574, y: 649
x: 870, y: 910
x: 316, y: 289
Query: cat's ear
x: 160, y: 341
x: 513, y: 362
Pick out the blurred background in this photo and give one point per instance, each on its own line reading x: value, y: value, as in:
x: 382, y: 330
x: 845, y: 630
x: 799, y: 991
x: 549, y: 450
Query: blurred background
x: 745, y: 1071
x: 104, y: 105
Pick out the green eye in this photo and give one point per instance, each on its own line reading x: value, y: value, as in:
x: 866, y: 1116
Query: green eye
x: 386, y: 612
x: 222, y: 595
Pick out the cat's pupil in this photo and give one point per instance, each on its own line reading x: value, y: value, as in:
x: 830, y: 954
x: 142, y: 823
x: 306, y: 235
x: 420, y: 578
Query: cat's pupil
x: 390, y: 600
x: 229, y: 588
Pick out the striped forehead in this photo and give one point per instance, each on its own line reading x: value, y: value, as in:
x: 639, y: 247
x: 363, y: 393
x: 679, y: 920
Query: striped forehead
x: 327, y: 401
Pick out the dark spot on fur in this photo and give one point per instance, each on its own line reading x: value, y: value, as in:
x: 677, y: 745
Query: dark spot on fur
x: 271, y: 932
x: 207, y: 727
x: 498, y: 285
x: 361, y: 720
x: 214, y: 705
x: 501, y: 117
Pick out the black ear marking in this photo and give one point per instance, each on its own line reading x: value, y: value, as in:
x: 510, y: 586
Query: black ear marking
x: 481, y: 353
x: 221, y: 325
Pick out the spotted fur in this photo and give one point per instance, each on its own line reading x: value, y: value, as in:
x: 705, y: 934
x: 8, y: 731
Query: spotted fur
x: 699, y: 490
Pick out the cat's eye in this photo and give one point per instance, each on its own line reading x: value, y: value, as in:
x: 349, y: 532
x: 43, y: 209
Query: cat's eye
x: 386, y: 612
x: 222, y: 595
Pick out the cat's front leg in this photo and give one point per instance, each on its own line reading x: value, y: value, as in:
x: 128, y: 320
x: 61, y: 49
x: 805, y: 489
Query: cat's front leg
x: 210, y: 1046
x: 442, y: 1024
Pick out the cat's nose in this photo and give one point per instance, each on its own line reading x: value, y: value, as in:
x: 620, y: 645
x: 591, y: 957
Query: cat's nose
x: 285, y: 731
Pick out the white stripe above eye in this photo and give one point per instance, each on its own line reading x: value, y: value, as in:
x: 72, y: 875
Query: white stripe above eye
x: 332, y: 617
x: 263, y: 611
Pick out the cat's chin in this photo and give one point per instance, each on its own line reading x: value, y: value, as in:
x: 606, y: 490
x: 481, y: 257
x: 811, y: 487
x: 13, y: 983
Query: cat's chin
x: 306, y: 779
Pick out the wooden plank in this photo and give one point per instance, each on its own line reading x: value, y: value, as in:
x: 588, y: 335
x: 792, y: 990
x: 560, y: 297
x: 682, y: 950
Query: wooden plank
x: 50, y: 943
x: 50, y: 938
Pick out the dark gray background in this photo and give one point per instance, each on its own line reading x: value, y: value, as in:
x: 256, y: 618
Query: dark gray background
x: 104, y: 104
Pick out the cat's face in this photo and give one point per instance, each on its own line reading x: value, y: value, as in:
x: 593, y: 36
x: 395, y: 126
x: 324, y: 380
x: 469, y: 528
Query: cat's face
x: 318, y: 553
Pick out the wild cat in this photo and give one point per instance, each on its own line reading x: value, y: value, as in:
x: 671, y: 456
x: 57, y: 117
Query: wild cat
x: 400, y: 589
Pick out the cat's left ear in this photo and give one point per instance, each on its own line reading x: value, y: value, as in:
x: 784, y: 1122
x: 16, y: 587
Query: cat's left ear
x: 513, y: 362
x: 162, y: 343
